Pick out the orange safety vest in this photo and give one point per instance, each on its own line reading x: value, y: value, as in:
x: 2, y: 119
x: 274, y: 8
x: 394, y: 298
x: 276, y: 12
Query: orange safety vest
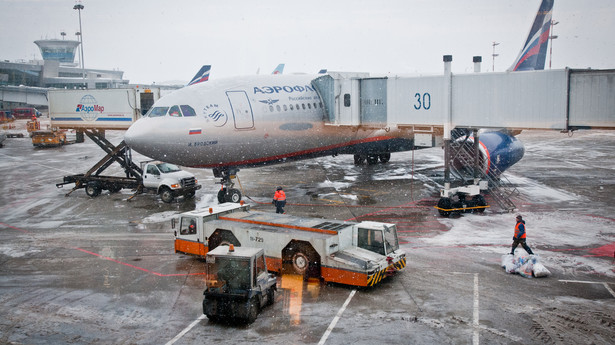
x: 517, y: 230
x: 279, y: 195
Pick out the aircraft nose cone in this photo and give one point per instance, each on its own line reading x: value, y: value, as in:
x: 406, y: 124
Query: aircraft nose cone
x: 136, y: 137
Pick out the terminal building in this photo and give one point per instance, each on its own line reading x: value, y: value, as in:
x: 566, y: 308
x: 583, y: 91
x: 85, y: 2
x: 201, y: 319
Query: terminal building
x: 58, y: 69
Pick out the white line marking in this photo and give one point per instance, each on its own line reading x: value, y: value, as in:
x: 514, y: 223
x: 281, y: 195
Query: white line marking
x: 475, y: 320
x: 335, y: 319
x: 606, y: 285
x: 608, y: 288
x: 186, y: 330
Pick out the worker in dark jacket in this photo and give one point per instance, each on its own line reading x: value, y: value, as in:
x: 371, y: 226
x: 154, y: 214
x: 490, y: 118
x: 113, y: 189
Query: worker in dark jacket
x: 519, y: 237
x: 279, y: 200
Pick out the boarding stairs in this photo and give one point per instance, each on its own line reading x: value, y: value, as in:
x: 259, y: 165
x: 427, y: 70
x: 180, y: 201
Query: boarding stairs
x: 501, y: 190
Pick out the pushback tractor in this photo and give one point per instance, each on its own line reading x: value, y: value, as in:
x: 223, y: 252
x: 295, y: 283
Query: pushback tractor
x: 359, y: 254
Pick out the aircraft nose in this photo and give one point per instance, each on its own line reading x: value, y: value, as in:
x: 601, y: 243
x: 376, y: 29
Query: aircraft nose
x: 136, y: 136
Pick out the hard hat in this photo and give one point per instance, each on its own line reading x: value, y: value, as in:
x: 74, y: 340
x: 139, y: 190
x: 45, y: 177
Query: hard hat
x: 519, y: 216
x: 279, y: 188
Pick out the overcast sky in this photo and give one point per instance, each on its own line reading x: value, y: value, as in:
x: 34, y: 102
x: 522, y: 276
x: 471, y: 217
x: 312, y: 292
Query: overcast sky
x: 159, y: 41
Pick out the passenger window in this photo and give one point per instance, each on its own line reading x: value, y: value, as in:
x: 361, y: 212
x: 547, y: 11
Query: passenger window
x: 151, y: 169
x: 346, y: 99
x: 303, y: 106
x: 315, y: 107
x: 277, y: 107
x: 157, y: 112
x: 298, y: 108
x: 285, y: 107
x: 187, y: 110
x: 291, y: 107
x: 309, y: 106
x: 271, y: 108
x: 174, y: 111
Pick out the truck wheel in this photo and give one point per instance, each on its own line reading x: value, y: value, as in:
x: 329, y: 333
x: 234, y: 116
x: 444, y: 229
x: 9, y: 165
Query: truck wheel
x: 233, y: 195
x: 300, y: 262
x: 384, y: 157
x: 166, y: 195
x: 372, y: 159
x: 270, y: 296
x: 92, y: 190
x: 446, y: 204
x: 479, y: 200
x: 253, y: 311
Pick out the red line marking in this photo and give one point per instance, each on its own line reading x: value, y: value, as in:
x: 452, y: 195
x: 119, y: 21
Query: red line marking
x: 15, y: 228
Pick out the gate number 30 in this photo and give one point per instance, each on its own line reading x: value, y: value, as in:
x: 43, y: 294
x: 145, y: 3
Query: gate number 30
x: 422, y: 102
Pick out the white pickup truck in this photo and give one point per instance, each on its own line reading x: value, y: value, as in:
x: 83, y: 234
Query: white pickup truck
x: 168, y: 180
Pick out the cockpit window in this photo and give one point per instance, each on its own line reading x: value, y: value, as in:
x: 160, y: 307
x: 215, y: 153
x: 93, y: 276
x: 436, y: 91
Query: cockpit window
x: 157, y: 111
x: 174, y: 111
x: 187, y: 110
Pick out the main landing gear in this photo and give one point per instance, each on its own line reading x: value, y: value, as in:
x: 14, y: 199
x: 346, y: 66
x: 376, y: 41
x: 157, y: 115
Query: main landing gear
x: 372, y: 158
x: 227, y: 193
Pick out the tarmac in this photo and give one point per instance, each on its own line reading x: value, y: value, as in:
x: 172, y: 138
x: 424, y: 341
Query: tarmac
x: 81, y: 270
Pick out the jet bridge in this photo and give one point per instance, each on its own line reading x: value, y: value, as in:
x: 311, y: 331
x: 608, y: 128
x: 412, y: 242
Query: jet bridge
x: 434, y: 107
x: 566, y: 99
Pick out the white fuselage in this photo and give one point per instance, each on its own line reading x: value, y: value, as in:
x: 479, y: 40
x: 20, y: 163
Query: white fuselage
x: 246, y: 121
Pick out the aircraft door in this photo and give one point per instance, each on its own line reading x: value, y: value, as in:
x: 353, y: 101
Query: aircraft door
x: 373, y: 101
x: 242, y: 110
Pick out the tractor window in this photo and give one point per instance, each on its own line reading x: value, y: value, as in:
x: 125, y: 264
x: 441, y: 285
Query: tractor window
x: 260, y: 265
x: 390, y: 238
x: 188, y: 226
x: 371, y: 240
x: 234, y: 272
x: 168, y: 167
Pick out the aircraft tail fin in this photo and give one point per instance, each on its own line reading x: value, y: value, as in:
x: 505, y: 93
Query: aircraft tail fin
x: 534, y: 53
x: 279, y: 69
x: 201, y: 76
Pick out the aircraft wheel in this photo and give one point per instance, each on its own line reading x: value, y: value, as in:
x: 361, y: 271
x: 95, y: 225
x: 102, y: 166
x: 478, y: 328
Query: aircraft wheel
x: 233, y: 195
x: 359, y: 159
x: 221, y: 194
x: 372, y: 159
x: 92, y: 190
x: 445, y: 203
x: 385, y: 157
x: 166, y: 195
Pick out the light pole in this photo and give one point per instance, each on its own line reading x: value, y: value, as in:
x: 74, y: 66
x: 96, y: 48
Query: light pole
x: 552, y: 37
x: 79, y: 7
x: 494, y: 55
x: 63, y: 34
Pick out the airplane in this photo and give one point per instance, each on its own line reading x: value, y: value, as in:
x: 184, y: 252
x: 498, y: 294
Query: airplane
x: 243, y: 122
x: 279, y: 69
x: 201, y: 76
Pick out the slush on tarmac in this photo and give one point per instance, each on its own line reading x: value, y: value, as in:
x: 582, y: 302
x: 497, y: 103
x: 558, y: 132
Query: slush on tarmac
x: 81, y: 270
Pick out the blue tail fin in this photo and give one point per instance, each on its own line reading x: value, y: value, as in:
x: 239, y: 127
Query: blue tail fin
x: 534, y: 53
x: 201, y: 76
x: 279, y: 69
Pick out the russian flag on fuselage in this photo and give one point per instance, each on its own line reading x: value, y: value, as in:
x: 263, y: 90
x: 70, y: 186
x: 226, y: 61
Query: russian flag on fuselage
x: 534, y: 53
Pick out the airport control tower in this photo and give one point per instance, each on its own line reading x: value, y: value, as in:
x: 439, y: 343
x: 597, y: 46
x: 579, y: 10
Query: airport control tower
x: 62, y: 51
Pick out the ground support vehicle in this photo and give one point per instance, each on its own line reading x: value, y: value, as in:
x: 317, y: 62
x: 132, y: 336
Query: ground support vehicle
x: 48, y: 137
x: 164, y: 179
x: 359, y: 254
x: 238, y: 284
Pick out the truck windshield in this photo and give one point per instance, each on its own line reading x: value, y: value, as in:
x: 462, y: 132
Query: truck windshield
x: 167, y: 167
x: 157, y: 111
x: 390, y: 238
x: 233, y: 272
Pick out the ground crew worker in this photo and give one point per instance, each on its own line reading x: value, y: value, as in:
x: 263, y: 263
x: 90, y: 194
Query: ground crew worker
x: 519, y: 237
x: 279, y: 200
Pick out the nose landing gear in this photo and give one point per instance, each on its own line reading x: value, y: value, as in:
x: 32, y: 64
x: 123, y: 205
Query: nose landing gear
x: 227, y: 193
